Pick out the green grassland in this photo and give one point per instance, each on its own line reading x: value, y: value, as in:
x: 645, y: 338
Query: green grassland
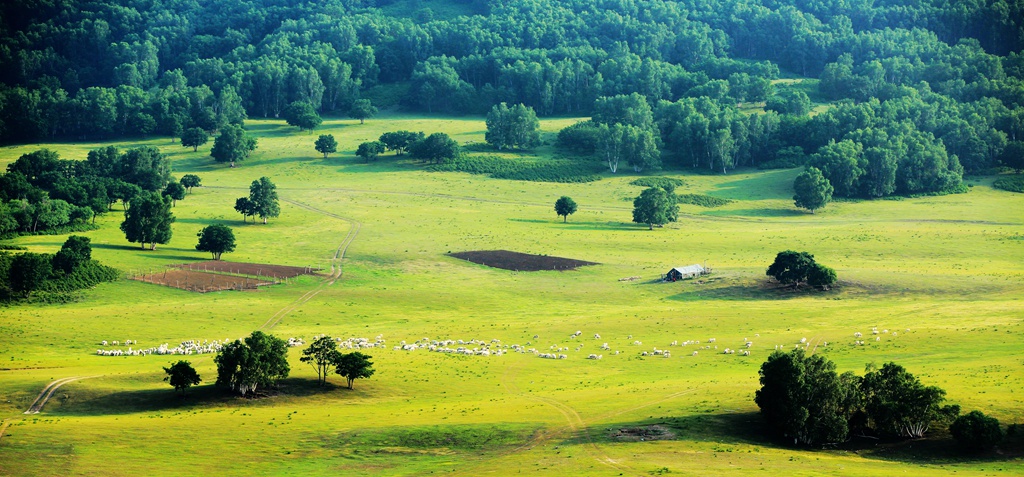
x: 946, y: 273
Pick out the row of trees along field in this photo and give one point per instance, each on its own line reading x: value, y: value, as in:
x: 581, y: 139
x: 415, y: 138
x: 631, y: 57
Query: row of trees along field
x: 933, y: 74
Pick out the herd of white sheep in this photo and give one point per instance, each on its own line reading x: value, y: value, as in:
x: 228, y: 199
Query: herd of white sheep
x: 188, y: 347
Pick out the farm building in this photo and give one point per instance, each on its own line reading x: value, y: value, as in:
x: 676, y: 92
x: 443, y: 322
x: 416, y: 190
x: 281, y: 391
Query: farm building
x: 681, y: 273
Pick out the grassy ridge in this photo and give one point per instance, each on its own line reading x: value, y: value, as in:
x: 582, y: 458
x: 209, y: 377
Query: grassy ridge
x: 948, y: 268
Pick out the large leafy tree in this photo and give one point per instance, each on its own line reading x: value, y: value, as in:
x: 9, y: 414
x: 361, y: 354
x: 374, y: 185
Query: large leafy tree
x: 257, y: 362
x: 182, y: 376
x: 976, y: 431
x: 813, y: 191
x: 194, y: 137
x: 233, y: 145
x: 148, y: 220
x: 263, y: 197
x: 353, y: 366
x: 362, y: 109
x: 802, y: 398
x: 189, y: 181
x: 321, y: 354
x: 175, y: 191
x: 245, y: 207
x: 515, y: 127
x: 302, y: 115
x: 75, y: 251
x: 325, y: 144
x: 655, y: 206
x: 216, y: 239
x: 791, y: 267
x: 900, y: 405
x: 565, y: 207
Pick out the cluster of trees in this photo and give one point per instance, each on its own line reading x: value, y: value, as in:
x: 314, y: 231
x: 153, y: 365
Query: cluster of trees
x: 322, y: 354
x: 262, y: 201
x: 42, y: 192
x: 71, y: 268
x: 804, y: 399
x: 514, y: 128
x: 795, y: 268
x: 257, y: 362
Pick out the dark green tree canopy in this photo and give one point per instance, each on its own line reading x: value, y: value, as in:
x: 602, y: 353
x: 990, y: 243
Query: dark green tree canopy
x: 370, y: 150
x: 325, y: 144
x: 565, y: 207
x: 182, y: 376
x: 247, y: 366
x: 263, y: 199
x: 302, y: 115
x: 900, y: 405
x: 976, y: 432
x: 794, y: 268
x: 148, y: 220
x: 400, y: 141
x: 654, y: 206
x: 515, y: 127
x: 194, y: 137
x: 75, y: 252
x: 790, y: 101
x: 437, y: 148
x: 353, y: 366
x: 813, y: 191
x: 362, y: 110
x: 190, y: 181
x: 233, y: 145
x: 175, y: 191
x: 321, y: 354
x: 216, y: 239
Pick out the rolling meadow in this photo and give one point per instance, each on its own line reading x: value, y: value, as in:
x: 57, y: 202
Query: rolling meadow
x: 943, y: 276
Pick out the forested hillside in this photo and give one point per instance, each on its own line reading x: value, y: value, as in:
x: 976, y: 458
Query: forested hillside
x: 939, y: 80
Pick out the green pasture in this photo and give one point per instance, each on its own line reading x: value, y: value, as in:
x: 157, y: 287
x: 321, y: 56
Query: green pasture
x: 946, y: 273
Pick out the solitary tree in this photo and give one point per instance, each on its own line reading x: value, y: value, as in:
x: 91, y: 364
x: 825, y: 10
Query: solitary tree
x: 216, y: 239
x: 654, y: 206
x: 976, y: 431
x: 148, y: 220
x: 233, y: 145
x: 791, y: 268
x: 353, y: 366
x: 362, y: 110
x: 263, y: 196
x: 565, y: 207
x: 370, y: 150
x: 302, y: 115
x: 321, y: 354
x: 813, y: 190
x: 325, y: 144
x: 194, y: 137
x: 189, y: 181
x: 175, y: 191
x: 182, y: 376
x: 257, y: 362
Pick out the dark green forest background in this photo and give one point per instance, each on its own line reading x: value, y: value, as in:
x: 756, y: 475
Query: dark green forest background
x: 922, y: 90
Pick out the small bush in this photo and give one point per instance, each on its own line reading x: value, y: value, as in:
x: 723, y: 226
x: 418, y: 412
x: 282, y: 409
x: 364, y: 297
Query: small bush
x: 659, y: 182
x: 1012, y: 183
x: 701, y: 200
x: 504, y: 168
x: 976, y: 431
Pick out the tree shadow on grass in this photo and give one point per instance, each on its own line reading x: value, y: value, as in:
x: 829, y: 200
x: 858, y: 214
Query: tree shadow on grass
x: 89, y: 401
x: 165, y: 254
x: 756, y: 213
x: 749, y: 429
x: 583, y: 225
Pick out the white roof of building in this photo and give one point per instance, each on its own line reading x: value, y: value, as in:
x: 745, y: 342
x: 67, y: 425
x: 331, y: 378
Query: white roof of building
x: 689, y: 269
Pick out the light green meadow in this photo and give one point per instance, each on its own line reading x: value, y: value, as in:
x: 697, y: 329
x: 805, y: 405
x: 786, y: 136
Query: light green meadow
x: 945, y: 273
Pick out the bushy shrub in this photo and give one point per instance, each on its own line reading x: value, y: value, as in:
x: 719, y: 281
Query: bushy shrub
x: 701, y: 200
x: 667, y: 183
x: 505, y: 168
x: 1012, y: 183
x: 976, y: 431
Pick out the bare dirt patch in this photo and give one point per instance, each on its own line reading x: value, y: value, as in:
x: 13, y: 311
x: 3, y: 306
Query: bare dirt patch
x: 251, y: 269
x: 203, y: 282
x: 653, y: 432
x: 517, y: 261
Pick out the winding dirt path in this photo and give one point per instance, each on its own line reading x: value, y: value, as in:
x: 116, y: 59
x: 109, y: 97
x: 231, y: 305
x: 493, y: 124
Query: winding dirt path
x: 336, y: 264
x: 48, y: 391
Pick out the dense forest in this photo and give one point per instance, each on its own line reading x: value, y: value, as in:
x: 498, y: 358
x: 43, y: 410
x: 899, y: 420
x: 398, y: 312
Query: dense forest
x: 923, y: 90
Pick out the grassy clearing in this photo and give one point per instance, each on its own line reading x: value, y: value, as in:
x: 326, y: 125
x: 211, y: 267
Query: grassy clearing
x: 949, y: 269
